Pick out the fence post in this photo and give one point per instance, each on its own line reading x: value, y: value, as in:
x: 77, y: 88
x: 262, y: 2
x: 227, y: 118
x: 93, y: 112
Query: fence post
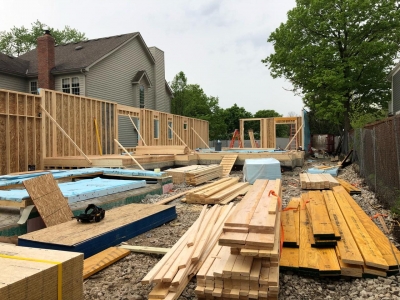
x: 397, y: 148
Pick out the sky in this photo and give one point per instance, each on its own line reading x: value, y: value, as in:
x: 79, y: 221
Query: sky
x: 218, y: 44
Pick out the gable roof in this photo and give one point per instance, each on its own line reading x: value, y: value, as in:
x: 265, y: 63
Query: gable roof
x: 168, y: 89
x: 76, y: 56
x: 13, y: 65
x: 139, y: 75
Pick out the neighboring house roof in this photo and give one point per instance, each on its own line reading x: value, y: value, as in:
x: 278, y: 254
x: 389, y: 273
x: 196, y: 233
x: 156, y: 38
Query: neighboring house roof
x: 169, y: 90
x: 13, y: 65
x: 139, y: 75
x: 394, y: 71
x: 73, y: 56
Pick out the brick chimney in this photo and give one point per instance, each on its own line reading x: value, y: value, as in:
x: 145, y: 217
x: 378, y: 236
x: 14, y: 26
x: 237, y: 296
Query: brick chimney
x: 46, y: 60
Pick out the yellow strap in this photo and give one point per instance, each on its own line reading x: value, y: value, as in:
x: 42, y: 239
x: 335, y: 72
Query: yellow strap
x: 59, y: 267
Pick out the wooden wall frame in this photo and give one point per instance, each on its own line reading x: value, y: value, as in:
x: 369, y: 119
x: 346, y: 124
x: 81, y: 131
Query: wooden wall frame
x: 268, y: 129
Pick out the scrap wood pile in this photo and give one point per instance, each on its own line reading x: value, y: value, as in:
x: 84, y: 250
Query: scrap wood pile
x: 161, y: 150
x: 317, y: 181
x: 328, y: 233
x: 221, y: 191
x: 195, y: 175
x: 351, y: 189
x: 173, y: 272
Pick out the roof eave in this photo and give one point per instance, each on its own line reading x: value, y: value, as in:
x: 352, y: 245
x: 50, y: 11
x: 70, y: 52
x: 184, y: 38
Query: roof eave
x: 393, y: 72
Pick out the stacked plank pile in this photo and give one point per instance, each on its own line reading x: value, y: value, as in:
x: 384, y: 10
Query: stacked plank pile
x: 173, y: 272
x: 354, y: 245
x: 29, y: 273
x: 195, y: 175
x: 248, y: 263
x: 352, y: 190
x: 161, y: 150
x: 317, y: 181
x: 221, y: 191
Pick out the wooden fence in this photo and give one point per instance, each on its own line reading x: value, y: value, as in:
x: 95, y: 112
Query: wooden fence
x: 28, y: 134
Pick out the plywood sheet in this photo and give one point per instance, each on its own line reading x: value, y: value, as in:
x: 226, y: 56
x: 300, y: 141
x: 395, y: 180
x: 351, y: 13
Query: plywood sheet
x: 48, y: 199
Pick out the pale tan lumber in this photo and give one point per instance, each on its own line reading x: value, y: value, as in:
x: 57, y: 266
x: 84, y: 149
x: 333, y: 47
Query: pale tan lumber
x: 145, y: 249
x: 195, y: 231
x: 137, y: 130
x: 291, y: 140
x: 178, y: 137
x: 169, y: 199
x: 200, y: 138
x: 65, y: 134
x: 126, y: 151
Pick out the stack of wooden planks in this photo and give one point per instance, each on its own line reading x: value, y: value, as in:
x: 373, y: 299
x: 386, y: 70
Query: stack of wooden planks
x: 161, y: 150
x: 317, y: 181
x: 195, y: 175
x: 358, y: 247
x: 351, y: 189
x: 221, y: 191
x: 249, y: 264
x: 173, y: 272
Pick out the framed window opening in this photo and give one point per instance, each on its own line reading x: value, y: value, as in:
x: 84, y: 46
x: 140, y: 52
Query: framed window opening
x: 185, y: 126
x: 156, y: 128
x: 170, y: 130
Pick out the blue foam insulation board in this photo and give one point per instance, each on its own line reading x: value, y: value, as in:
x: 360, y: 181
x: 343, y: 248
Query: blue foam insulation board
x: 7, y: 180
x: 261, y: 168
x: 82, y: 189
x: 333, y: 171
x: 92, y: 244
x: 126, y: 172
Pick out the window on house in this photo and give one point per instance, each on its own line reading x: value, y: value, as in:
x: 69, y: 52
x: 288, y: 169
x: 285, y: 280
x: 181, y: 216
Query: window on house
x: 170, y: 130
x: 141, y: 96
x: 33, y: 87
x: 138, y: 129
x: 156, y: 129
x: 70, y: 85
x: 185, y: 126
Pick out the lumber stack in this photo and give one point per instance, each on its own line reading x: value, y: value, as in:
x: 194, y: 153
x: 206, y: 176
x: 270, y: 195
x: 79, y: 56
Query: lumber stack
x: 29, y: 273
x: 354, y: 245
x: 173, y: 272
x: 161, y: 150
x: 195, y: 175
x: 249, y: 267
x: 317, y: 181
x: 351, y: 189
x: 221, y: 191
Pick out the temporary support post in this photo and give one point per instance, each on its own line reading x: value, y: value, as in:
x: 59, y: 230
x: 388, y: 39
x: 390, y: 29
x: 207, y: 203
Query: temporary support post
x: 200, y: 138
x: 98, y: 136
x: 66, y: 135
x: 133, y: 123
x: 297, y: 132
x: 179, y: 137
x: 126, y: 151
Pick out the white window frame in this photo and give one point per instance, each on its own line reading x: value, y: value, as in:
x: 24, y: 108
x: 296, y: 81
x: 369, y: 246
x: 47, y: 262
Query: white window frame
x: 170, y: 126
x: 69, y: 87
x: 156, y: 128
x: 35, y: 91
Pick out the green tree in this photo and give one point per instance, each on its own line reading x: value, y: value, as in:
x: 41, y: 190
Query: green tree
x: 232, y: 116
x: 19, y: 40
x: 178, y: 86
x: 338, y: 54
x: 281, y: 130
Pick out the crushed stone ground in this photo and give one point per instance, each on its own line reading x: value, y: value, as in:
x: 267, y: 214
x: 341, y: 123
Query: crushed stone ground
x: 121, y: 280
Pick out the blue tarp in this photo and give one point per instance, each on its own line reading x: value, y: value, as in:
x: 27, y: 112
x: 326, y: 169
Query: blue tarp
x: 333, y: 171
x: 261, y: 168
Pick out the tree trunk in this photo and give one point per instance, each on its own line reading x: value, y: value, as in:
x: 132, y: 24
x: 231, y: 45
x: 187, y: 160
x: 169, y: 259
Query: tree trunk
x: 346, y: 127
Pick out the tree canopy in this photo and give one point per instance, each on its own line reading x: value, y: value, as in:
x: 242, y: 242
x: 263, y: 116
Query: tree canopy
x: 337, y: 54
x: 19, y: 40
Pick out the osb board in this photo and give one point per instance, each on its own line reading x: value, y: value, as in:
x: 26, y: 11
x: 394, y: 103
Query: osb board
x: 48, y: 199
x: 72, y: 232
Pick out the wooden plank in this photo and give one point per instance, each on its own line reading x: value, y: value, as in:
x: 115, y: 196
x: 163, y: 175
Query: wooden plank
x: 145, y: 249
x: 370, y: 252
x: 352, y: 190
x: 102, y: 260
x: 347, y: 247
x: 321, y: 223
x: 387, y: 249
x: 243, y: 212
x: 289, y: 228
x: 289, y: 259
x: 48, y: 199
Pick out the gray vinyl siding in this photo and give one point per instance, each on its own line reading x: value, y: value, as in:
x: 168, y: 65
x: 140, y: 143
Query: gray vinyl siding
x: 127, y: 134
x: 111, y: 78
x: 161, y: 97
x: 14, y: 83
x: 58, y: 82
x: 396, y: 92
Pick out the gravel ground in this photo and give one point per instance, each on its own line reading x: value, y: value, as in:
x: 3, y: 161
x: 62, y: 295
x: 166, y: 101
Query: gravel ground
x: 122, y: 279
